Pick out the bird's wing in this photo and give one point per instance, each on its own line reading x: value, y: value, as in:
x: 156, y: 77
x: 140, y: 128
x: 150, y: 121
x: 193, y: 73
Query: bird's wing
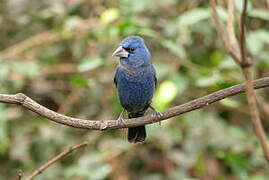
x: 155, y: 78
x: 155, y: 81
x: 115, y: 76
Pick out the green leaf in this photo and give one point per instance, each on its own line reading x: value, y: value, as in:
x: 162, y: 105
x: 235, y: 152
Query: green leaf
x: 259, y: 13
x: 230, y: 102
x: 166, y: 92
x: 78, y: 80
x: 238, y: 163
x: 256, y: 41
x: 239, y: 5
x: 29, y: 69
x: 193, y: 16
x: 90, y: 63
x: 259, y: 177
x: 175, y: 48
x: 109, y: 15
x: 3, y: 130
x: 208, y: 80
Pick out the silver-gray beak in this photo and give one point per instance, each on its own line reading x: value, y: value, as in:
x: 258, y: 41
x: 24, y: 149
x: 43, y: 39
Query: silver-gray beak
x: 120, y: 52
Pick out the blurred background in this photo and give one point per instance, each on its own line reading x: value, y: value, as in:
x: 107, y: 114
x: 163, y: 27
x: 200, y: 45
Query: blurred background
x: 58, y: 52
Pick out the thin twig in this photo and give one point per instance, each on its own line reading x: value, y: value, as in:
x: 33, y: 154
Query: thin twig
x: 220, y: 30
x: 30, y: 104
x: 244, y: 60
x: 42, y: 38
x: 232, y: 49
x: 45, y: 38
x: 19, y: 174
x: 231, y: 33
x: 55, y: 159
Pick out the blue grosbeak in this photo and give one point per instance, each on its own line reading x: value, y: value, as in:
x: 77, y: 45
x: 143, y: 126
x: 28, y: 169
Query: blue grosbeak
x: 135, y: 79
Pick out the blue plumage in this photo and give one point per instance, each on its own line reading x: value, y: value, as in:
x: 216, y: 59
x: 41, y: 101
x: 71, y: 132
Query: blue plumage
x: 135, y: 79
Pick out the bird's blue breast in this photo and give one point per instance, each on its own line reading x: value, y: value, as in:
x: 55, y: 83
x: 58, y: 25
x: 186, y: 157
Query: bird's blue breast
x: 135, y: 89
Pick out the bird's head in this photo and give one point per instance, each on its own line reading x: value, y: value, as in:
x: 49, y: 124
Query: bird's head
x: 133, y: 52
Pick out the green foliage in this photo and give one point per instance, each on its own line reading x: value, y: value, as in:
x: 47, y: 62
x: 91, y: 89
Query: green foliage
x: 69, y: 69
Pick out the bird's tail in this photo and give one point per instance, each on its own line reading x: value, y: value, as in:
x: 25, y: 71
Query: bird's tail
x: 136, y: 134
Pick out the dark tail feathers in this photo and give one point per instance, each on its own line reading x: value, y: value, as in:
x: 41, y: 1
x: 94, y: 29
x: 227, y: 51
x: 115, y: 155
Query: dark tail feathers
x: 136, y: 134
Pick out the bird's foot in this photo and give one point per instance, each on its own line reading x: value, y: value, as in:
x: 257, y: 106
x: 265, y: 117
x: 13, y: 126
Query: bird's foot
x: 157, y: 115
x: 120, y: 120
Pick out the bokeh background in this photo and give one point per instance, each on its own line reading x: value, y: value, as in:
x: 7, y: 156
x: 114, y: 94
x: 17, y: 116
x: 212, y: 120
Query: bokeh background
x: 58, y: 52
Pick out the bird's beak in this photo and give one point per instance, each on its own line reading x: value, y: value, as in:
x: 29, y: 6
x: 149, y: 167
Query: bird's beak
x: 120, y: 52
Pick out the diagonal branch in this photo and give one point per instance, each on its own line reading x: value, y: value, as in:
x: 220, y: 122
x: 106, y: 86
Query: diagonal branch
x: 221, y: 32
x: 55, y: 159
x: 198, y: 103
x: 235, y: 49
x: 228, y: 37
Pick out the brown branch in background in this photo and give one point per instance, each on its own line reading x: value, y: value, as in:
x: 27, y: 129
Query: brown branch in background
x: 241, y: 58
x: 42, y: 38
x: 247, y: 71
x: 258, y: 128
x: 45, y: 38
x: 263, y: 105
x: 216, y: 19
x: 235, y: 49
x: 244, y: 60
x: 223, y: 34
x: 30, y: 104
x: 72, y: 98
x: 19, y: 175
x: 55, y: 159
x: 63, y: 68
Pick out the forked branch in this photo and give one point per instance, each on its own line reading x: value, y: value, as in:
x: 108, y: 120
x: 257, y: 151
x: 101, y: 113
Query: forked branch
x: 239, y: 53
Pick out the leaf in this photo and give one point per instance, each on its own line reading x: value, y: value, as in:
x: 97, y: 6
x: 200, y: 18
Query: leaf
x: 165, y: 94
x: 239, y: 5
x: 109, y: 15
x: 205, y: 81
x: 238, y: 163
x: 256, y: 41
x: 29, y: 69
x: 175, y: 48
x: 3, y: 130
x: 90, y: 63
x: 193, y: 16
x: 78, y: 80
x: 259, y: 177
x: 259, y: 13
x: 230, y: 102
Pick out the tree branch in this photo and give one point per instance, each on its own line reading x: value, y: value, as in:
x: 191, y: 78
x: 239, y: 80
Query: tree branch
x: 228, y: 37
x: 30, y: 104
x: 55, y: 159
x: 240, y: 56
x: 247, y: 72
x: 19, y: 175
x: 234, y: 49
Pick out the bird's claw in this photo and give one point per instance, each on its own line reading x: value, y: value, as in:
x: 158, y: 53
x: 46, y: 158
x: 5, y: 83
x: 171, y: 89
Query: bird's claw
x: 157, y: 114
x: 120, y: 120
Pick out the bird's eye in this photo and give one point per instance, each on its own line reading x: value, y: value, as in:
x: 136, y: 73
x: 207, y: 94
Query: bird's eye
x: 130, y: 50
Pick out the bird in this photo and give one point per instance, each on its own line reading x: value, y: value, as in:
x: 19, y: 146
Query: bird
x: 135, y: 80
